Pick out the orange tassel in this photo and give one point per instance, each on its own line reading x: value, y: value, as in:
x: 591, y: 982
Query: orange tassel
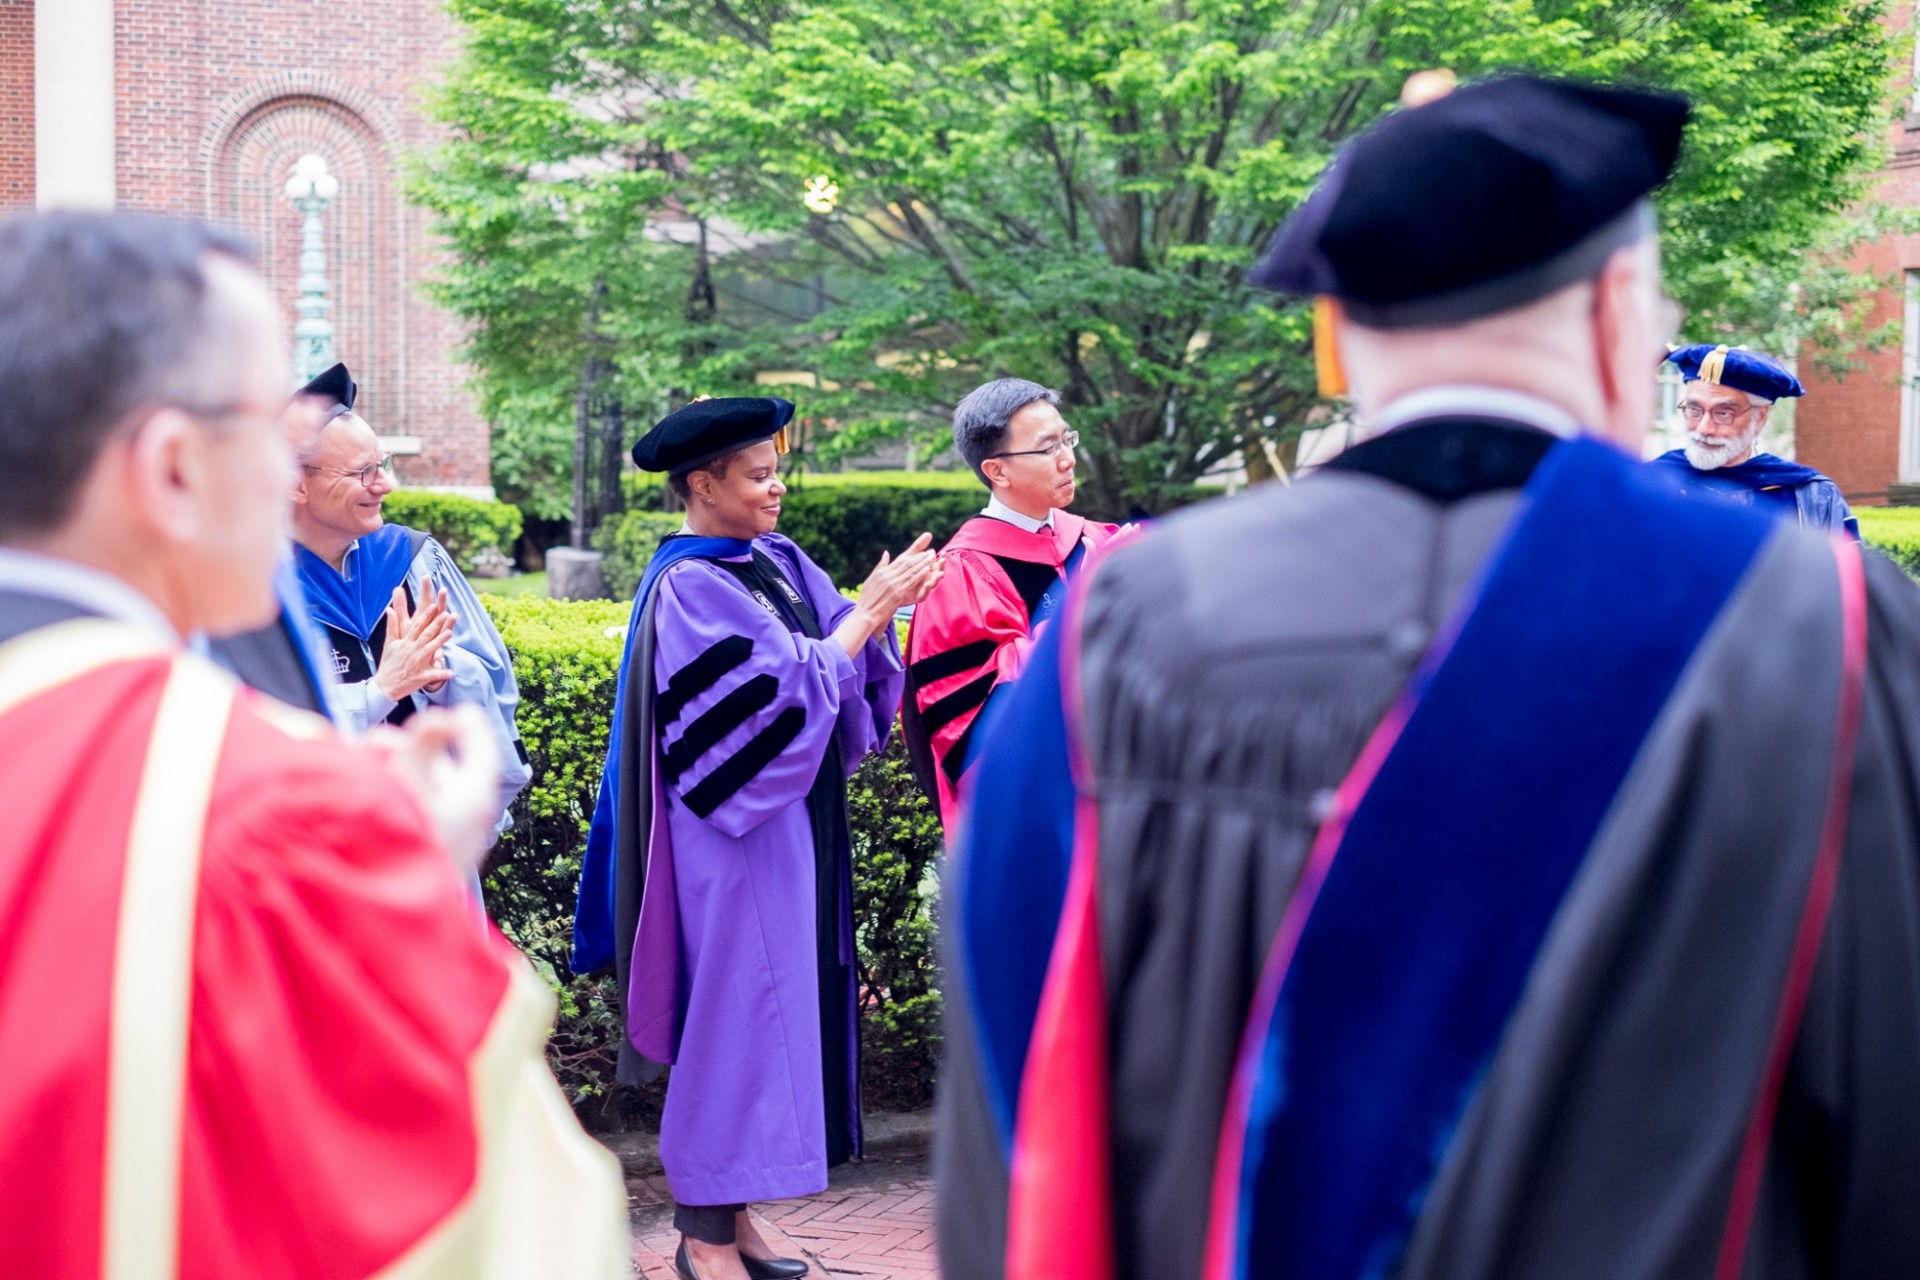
x: 1327, y: 373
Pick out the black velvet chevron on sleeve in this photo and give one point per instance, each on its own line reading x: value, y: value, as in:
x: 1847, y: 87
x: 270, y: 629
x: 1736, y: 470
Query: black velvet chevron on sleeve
x: 716, y: 722
x: 698, y: 676
x: 965, y: 657
x: 745, y: 764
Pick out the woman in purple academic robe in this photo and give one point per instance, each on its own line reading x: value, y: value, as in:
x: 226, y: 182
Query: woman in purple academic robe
x: 750, y: 690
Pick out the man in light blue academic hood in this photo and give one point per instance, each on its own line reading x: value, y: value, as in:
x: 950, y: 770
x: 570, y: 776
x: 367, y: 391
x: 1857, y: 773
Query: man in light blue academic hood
x: 1728, y: 398
x: 402, y: 628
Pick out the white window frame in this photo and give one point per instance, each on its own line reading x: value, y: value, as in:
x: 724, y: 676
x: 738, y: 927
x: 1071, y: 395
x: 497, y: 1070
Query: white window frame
x: 1910, y: 380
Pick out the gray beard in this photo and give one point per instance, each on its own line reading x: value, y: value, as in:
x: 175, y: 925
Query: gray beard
x: 1711, y: 455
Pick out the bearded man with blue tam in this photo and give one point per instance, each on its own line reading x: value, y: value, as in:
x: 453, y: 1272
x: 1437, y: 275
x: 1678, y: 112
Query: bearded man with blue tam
x: 1728, y: 398
x: 717, y: 880
x: 1376, y: 877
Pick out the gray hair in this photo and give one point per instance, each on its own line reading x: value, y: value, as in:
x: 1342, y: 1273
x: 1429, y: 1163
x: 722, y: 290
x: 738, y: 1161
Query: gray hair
x: 100, y: 315
x: 980, y: 421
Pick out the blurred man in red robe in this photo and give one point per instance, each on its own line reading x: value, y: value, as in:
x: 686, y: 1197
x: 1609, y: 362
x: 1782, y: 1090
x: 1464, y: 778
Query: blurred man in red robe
x: 247, y: 1025
x: 1007, y: 571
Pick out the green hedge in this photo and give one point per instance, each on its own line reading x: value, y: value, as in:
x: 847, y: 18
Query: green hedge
x: 964, y: 481
x: 844, y: 527
x: 1894, y: 531
x: 627, y: 542
x: 645, y: 489
x: 566, y: 665
x: 464, y: 526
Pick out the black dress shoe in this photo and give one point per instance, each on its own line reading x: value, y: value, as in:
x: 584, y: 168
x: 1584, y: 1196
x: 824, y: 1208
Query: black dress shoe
x: 774, y: 1268
x: 682, y: 1263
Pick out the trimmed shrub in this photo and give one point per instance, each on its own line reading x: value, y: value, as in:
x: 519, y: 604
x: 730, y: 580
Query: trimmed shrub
x: 844, y: 527
x: 567, y: 667
x: 961, y: 480
x: 1894, y: 531
x: 896, y: 858
x: 628, y: 542
x: 648, y: 490
x: 464, y: 526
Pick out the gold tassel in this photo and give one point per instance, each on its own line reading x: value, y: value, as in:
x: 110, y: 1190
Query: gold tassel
x: 1713, y: 365
x: 1332, y: 379
x: 780, y: 441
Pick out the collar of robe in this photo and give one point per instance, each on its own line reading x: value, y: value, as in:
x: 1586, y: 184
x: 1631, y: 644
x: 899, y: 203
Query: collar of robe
x: 378, y: 562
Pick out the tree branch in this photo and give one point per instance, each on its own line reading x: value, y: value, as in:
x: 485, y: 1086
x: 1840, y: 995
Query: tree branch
x: 934, y: 245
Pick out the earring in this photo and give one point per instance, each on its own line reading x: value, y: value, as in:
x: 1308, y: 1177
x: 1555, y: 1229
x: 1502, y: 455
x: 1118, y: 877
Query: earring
x: 709, y: 501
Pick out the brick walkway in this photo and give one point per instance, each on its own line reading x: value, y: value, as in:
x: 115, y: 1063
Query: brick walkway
x: 875, y: 1221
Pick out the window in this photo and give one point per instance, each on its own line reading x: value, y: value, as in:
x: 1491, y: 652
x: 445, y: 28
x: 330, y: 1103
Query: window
x: 1667, y: 432
x: 1909, y: 377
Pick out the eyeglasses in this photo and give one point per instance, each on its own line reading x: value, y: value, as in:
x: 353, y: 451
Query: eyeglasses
x: 365, y: 474
x: 1067, y: 441
x: 1724, y: 415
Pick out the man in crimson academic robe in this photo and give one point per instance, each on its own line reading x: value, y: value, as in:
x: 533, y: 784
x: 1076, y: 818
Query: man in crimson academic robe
x: 1007, y: 570
x: 1479, y: 859
x: 247, y: 1024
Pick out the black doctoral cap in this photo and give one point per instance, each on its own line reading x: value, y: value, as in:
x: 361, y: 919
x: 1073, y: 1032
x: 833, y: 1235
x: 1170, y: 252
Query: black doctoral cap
x: 703, y: 430
x: 336, y: 388
x: 1492, y: 196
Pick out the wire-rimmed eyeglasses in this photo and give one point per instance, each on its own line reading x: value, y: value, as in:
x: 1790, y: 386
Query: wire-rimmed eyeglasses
x: 1723, y: 415
x: 364, y: 474
x: 1067, y: 441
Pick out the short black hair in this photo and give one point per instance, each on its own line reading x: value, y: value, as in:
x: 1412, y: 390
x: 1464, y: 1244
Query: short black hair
x: 716, y: 467
x: 980, y: 421
x: 100, y: 315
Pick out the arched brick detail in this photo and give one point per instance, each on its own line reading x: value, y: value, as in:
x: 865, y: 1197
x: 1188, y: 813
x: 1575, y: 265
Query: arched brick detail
x: 304, y: 83
x: 366, y: 229
x: 215, y: 99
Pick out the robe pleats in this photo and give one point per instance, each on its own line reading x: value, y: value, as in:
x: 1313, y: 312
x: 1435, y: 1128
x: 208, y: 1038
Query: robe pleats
x: 284, y: 1048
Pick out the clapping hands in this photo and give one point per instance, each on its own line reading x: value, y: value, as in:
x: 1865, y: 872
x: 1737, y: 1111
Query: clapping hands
x: 894, y: 584
x: 410, y: 658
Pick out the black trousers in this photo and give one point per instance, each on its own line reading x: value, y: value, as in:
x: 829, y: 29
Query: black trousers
x: 707, y: 1223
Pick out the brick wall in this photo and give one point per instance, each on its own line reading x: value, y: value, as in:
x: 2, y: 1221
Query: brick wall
x: 1849, y: 427
x: 16, y: 104
x: 216, y: 99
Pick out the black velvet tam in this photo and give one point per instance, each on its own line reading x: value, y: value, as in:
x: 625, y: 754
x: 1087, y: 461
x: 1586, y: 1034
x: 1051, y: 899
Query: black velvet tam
x: 336, y: 386
x: 1490, y: 197
x: 702, y: 431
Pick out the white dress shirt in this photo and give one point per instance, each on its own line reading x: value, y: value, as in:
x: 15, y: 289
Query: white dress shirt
x: 1001, y: 511
x: 99, y: 593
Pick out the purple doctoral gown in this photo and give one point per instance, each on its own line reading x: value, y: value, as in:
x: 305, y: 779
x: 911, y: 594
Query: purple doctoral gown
x: 725, y: 971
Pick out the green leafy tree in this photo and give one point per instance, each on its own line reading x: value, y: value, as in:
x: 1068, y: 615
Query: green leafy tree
x: 1070, y: 190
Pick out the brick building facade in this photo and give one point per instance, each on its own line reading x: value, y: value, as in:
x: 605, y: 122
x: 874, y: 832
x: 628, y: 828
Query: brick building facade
x: 1864, y: 429
x: 211, y: 103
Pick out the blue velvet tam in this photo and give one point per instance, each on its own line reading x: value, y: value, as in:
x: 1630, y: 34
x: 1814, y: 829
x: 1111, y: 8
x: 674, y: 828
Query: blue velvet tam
x: 697, y: 433
x: 335, y: 388
x: 1736, y: 367
x: 1490, y: 197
